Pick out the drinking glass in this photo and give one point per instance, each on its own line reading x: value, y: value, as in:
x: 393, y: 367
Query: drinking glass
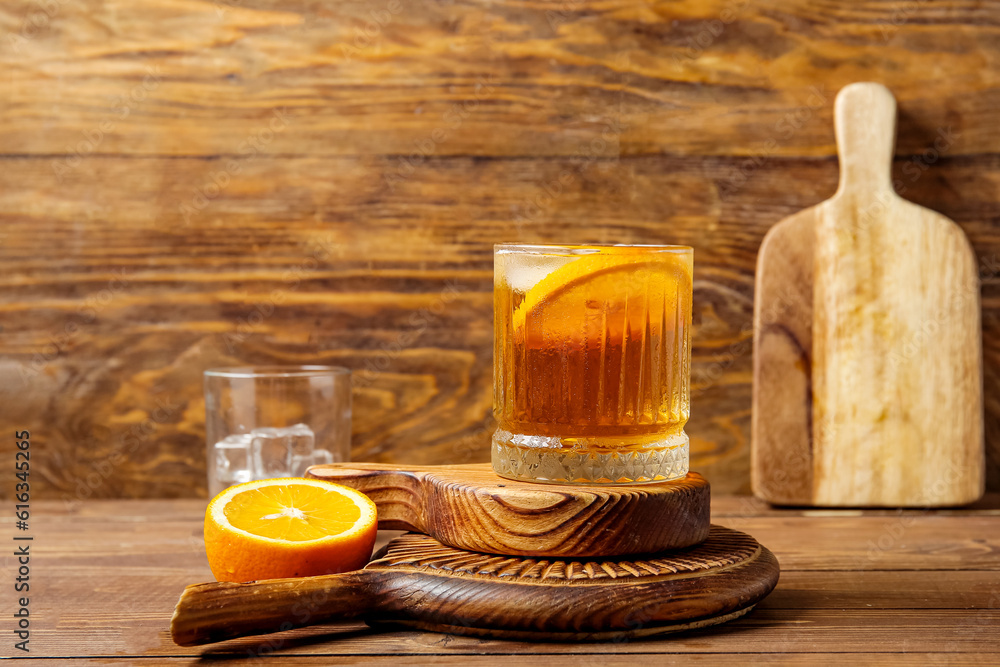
x: 274, y: 421
x: 591, y: 362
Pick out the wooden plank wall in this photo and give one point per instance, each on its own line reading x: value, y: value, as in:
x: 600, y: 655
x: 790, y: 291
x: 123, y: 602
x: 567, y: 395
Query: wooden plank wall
x: 188, y: 183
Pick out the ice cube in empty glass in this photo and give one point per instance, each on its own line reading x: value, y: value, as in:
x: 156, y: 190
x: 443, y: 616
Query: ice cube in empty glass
x: 275, y: 421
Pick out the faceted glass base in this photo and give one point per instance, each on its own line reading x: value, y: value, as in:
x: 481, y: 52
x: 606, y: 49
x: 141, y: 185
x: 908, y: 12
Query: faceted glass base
x: 539, y: 459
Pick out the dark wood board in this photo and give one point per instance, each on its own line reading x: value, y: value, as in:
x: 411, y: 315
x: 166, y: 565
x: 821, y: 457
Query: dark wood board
x: 418, y: 582
x: 471, y: 507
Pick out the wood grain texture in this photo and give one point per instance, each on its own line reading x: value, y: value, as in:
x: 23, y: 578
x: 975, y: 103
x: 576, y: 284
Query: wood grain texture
x: 878, y: 586
x: 153, y: 223
x: 471, y: 507
x: 781, y: 427
x: 907, y: 658
x: 896, y: 302
x: 419, y: 582
x: 868, y: 367
x: 363, y: 78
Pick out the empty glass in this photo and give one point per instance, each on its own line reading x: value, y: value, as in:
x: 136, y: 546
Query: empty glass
x: 274, y: 421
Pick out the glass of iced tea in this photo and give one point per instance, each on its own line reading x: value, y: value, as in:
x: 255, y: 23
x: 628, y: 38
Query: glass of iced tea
x: 591, y: 378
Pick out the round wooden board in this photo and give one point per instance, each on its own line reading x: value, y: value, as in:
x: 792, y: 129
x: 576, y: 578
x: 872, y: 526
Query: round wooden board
x: 574, y: 600
x: 471, y: 507
x: 418, y: 582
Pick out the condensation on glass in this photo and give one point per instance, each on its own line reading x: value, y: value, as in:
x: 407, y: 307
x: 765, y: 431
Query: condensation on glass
x: 592, y: 363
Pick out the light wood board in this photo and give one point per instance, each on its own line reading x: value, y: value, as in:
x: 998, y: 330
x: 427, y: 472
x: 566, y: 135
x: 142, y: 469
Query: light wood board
x: 868, y: 366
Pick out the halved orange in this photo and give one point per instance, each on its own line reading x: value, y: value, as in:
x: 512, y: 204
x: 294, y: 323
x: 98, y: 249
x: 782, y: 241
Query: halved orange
x: 609, y: 280
x: 288, y: 527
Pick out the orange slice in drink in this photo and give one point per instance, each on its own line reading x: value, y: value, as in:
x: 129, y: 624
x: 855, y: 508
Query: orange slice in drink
x: 617, y: 286
x: 288, y: 527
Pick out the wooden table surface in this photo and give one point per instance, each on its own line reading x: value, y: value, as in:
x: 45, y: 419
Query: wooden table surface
x: 860, y: 587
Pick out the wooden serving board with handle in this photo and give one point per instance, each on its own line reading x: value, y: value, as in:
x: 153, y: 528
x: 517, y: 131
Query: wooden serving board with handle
x: 471, y: 507
x: 868, y: 358
x: 416, y: 581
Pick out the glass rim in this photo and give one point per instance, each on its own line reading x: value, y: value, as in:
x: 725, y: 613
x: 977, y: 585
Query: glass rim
x: 276, y: 371
x: 542, y: 248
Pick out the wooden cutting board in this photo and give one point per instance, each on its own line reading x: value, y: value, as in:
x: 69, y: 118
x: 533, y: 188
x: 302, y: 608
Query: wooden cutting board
x: 471, y: 507
x: 867, y: 360
x: 416, y: 581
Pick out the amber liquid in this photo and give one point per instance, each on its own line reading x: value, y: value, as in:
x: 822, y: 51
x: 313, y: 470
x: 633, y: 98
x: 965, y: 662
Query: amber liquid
x: 595, y: 370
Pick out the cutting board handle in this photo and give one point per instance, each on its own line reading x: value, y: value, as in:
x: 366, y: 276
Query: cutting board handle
x: 217, y: 611
x: 396, y: 489
x: 865, y: 122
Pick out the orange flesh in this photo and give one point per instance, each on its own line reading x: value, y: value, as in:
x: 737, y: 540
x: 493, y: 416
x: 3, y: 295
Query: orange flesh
x: 296, y: 512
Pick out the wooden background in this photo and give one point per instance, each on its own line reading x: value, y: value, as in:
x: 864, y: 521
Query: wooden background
x: 186, y: 184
